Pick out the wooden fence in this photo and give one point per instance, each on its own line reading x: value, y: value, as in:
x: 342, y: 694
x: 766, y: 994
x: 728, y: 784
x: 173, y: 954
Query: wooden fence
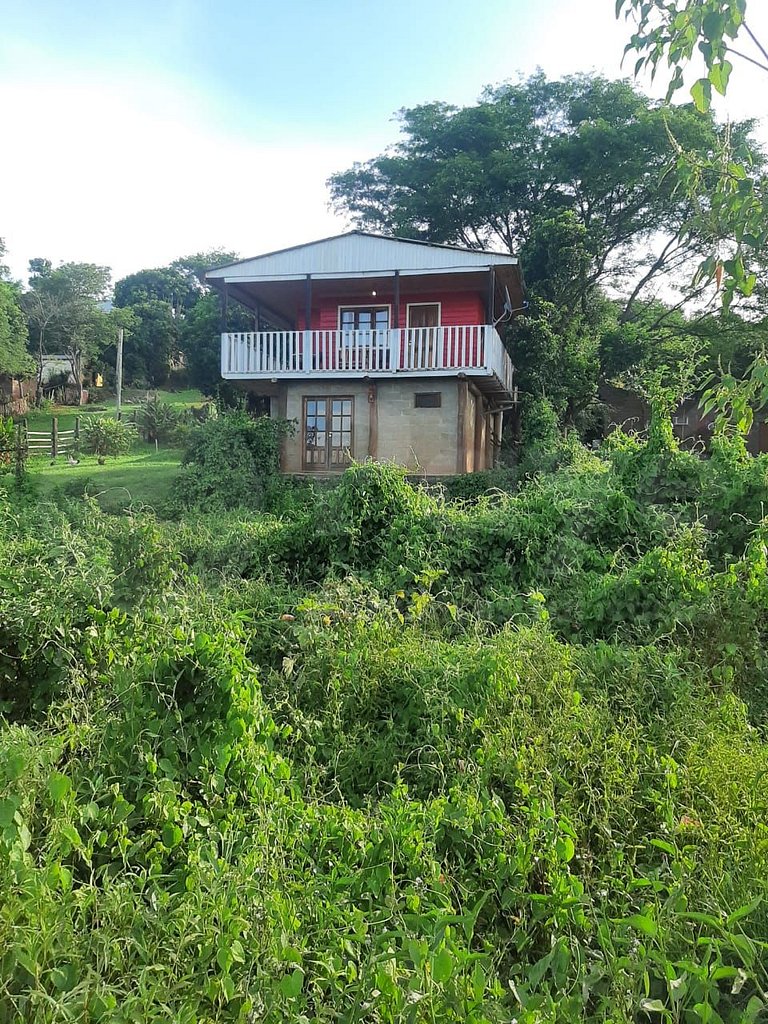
x: 52, y: 442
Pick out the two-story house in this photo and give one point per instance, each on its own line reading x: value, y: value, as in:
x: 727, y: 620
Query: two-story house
x: 382, y: 348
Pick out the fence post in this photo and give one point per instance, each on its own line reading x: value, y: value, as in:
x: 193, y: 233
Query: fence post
x: 54, y: 436
x: 21, y: 449
x: 77, y: 428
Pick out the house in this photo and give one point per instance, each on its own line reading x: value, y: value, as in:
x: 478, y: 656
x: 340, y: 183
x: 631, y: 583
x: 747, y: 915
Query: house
x: 692, y: 426
x: 377, y: 347
x: 56, y: 369
x: 15, y: 395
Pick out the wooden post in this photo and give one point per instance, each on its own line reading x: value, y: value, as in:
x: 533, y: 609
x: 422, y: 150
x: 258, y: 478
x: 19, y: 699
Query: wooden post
x: 77, y: 428
x: 307, y: 355
x: 373, y: 422
x: 119, y: 373
x: 21, y: 448
x: 491, y: 313
x: 480, y: 424
x: 223, y: 309
x: 54, y: 436
x: 308, y: 303
x: 498, y: 426
x: 396, y: 301
x: 461, y: 427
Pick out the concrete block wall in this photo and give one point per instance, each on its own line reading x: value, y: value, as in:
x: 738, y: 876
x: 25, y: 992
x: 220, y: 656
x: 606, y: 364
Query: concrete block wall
x: 423, y: 440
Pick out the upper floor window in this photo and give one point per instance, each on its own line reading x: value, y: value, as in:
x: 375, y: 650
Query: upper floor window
x: 364, y: 318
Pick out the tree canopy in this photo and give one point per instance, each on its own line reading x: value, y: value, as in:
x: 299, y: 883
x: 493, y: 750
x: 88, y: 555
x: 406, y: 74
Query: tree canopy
x: 485, y: 175
x: 15, y: 361
x: 65, y: 307
x: 579, y: 177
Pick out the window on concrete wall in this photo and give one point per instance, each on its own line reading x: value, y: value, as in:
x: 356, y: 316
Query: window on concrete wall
x: 428, y: 399
x: 327, y: 428
x: 258, y: 405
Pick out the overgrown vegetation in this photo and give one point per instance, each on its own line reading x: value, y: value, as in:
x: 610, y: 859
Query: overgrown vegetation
x: 231, y: 461
x: 391, y: 756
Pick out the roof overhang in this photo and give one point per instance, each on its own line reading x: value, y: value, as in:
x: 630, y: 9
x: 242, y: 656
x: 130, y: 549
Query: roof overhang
x: 279, y: 298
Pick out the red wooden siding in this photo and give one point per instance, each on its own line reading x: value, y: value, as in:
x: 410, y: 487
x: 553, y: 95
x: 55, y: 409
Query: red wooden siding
x: 457, y: 308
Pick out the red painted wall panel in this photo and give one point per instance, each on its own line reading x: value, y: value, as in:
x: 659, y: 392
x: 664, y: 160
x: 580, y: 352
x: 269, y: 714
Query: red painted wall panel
x: 457, y: 308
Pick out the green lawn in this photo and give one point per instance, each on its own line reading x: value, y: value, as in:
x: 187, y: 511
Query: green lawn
x: 131, y: 399
x: 142, y: 478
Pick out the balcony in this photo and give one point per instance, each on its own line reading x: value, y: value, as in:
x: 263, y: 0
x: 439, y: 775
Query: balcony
x: 475, y: 351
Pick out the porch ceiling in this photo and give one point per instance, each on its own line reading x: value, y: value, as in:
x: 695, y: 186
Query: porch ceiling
x: 284, y: 299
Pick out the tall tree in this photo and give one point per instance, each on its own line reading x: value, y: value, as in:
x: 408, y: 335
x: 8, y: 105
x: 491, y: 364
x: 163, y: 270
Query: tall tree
x: 730, y: 202
x: 196, y: 265
x: 200, y: 339
x: 151, y: 342
x: 485, y: 175
x: 65, y: 307
x: 162, y: 284
x: 15, y: 361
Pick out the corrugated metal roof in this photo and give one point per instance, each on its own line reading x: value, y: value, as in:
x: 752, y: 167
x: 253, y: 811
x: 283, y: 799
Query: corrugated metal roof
x: 357, y: 252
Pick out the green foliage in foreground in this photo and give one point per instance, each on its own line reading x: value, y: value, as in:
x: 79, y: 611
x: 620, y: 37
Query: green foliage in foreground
x: 230, y: 461
x: 387, y: 758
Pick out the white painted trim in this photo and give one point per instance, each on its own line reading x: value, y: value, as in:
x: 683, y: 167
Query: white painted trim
x: 365, y: 305
x: 439, y: 311
x: 351, y: 275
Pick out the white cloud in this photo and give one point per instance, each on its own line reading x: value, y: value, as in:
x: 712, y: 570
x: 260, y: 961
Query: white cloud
x: 133, y: 173
x: 134, y: 169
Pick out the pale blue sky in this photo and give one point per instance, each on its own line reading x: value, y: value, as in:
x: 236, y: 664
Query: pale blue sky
x: 144, y: 129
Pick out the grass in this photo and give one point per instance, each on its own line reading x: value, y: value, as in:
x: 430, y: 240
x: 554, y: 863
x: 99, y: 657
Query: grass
x: 67, y: 414
x: 144, y: 477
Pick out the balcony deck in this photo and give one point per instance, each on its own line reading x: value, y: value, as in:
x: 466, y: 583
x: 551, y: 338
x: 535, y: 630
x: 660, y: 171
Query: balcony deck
x: 474, y: 350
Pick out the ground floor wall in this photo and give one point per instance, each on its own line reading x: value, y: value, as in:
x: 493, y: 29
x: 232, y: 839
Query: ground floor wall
x: 433, y: 426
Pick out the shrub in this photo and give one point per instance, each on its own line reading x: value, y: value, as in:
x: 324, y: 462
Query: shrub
x: 231, y: 461
x: 101, y: 435
x: 469, y: 486
x: 373, y: 514
x: 306, y: 797
x: 159, y: 421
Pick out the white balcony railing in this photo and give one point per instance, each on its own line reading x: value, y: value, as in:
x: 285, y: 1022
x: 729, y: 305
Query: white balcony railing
x: 476, y: 350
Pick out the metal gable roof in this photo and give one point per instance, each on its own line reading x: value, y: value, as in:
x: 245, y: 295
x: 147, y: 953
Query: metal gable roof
x: 358, y: 252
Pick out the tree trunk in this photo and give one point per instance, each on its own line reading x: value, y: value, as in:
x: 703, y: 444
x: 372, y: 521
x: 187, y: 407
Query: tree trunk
x: 39, y: 391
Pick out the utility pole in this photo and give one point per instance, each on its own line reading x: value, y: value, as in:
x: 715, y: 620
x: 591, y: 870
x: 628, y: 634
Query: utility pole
x: 119, y: 371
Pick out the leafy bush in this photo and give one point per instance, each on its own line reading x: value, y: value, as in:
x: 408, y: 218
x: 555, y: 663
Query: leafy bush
x: 230, y: 462
x: 158, y: 420
x: 386, y: 756
x: 101, y: 435
x: 469, y: 486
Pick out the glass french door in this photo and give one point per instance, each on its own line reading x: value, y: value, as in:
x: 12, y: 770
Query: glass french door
x: 328, y: 432
x: 364, y: 337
